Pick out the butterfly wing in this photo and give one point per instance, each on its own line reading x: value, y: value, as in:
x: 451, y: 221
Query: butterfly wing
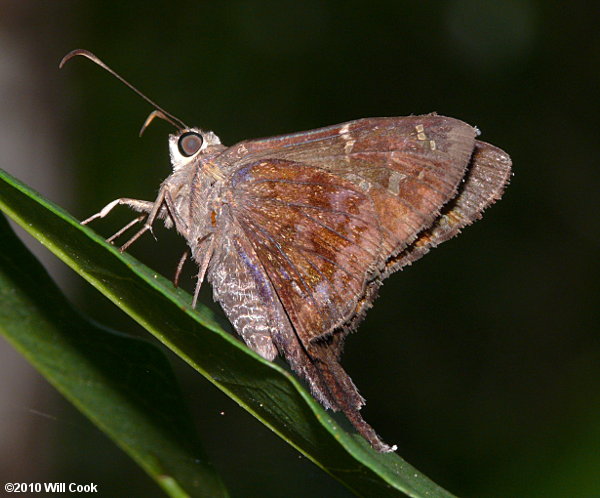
x: 409, y: 167
x: 327, y: 209
x: 243, y: 288
x: 316, y: 235
x: 487, y: 176
x: 327, y: 214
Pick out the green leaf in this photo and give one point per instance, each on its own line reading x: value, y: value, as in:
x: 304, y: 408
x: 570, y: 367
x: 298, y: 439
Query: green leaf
x: 123, y: 384
x: 270, y: 393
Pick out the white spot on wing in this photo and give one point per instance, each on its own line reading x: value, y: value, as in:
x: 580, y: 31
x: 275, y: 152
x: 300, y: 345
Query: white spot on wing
x: 345, y: 134
x: 349, y: 145
x: 363, y: 184
x: 394, y: 182
x: 344, y: 129
x: 420, y: 129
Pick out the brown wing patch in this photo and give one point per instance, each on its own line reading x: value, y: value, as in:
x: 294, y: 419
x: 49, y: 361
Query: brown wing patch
x: 316, y: 235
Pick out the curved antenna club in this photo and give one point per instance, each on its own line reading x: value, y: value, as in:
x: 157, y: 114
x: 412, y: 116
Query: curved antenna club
x: 154, y: 114
x: 167, y: 116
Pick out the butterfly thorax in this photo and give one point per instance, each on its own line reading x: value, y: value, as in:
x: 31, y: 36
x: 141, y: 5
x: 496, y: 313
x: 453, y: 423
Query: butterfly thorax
x: 205, y: 199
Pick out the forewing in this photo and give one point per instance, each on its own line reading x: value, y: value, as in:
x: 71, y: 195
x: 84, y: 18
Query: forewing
x: 409, y: 166
x: 316, y: 235
x: 327, y: 209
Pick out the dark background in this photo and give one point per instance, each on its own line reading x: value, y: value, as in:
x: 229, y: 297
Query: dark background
x: 480, y: 362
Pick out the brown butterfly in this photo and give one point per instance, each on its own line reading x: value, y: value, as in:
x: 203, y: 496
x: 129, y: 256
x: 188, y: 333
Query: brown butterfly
x: 296, y: 233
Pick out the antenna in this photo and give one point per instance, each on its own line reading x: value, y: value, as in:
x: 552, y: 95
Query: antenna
x: 167, y: 116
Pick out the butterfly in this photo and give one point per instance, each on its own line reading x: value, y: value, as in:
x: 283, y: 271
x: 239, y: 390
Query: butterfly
x: 296, y: 233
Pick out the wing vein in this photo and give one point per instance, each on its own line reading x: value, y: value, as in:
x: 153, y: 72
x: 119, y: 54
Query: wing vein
x: 293, y: 267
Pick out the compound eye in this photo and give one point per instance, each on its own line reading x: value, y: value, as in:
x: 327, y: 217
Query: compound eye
x: 189, y: 143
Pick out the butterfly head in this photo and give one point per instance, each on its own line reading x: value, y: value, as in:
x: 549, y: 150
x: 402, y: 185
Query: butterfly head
x: 187, y: 144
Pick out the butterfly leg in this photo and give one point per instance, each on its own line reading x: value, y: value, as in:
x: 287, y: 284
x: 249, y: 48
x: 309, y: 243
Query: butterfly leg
x: 178, y: 221
x: 164, y: 198
x: 156, y: 206
x: 184, y: 258
x: 116, y: 235
x: 136, y: 204
x: 204, y: 266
